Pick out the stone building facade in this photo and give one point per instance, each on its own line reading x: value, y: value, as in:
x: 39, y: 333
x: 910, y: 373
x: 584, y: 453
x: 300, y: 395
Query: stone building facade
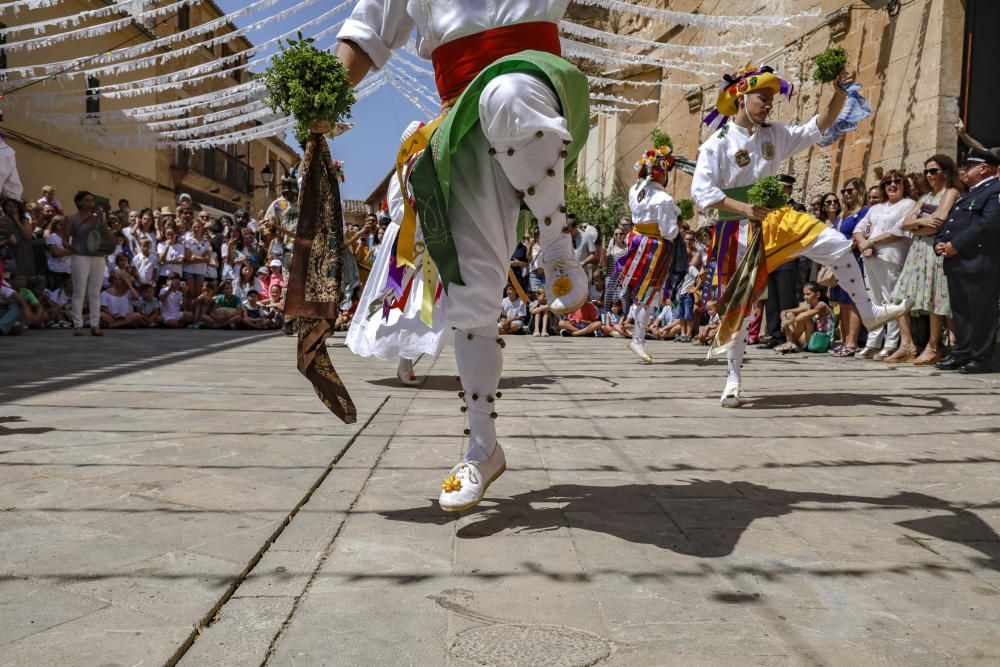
x: 909, y: 58
x: 68, y: 135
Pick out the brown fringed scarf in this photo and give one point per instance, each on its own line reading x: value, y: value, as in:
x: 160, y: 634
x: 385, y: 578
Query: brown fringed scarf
x: 313, y: 295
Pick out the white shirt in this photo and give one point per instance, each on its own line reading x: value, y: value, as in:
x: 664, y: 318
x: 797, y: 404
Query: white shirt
x: 173, y: 260
x: 172, y: 304
x: 652, y: 204
x: 886, y: 218
x: 198, y: 249
x: 586, y: 243
x: 58, y: 296
x: 719, y: 158
x: 57, y: 264
x: 378, y: 26
x: 512, y: 309
x: 146, y: 267
x: 119, y: 306
x: 665, y: 316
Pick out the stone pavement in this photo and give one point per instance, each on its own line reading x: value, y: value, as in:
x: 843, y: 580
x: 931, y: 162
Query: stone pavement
x: 183, y: 496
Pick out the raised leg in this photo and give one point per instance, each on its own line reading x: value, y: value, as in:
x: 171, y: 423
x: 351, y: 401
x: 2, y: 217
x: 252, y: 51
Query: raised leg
x: 528, y: 137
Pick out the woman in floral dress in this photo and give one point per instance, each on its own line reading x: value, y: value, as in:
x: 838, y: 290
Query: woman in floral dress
x: 922, y: 278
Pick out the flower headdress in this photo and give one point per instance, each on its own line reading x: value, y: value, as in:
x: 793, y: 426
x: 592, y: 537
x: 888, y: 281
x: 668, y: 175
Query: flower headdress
x: 660, y: 158
x: 733, y: 86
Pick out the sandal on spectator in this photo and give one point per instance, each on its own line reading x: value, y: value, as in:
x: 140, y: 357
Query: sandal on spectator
x: 96, y: 331
x: 928, y: 357
x: 884, y: 353
x: 78, y: 331
x: 903, y: 355
x: 843, y: 352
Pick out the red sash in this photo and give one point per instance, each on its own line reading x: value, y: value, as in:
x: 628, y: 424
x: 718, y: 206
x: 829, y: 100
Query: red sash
x: 458, y: 62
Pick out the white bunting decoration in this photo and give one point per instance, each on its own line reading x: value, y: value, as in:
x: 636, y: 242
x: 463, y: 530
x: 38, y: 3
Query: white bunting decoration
x: 600, y: 97
x: 611, y: 38
x: 701, y: 20
x: 238, y: 112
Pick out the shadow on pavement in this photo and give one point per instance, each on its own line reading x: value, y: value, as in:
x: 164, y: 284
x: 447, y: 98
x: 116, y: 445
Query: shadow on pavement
x: 847, y: 399
x: 704, y: 518
x: 63, y: 362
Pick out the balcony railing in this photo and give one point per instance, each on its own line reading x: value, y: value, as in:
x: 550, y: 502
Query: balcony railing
x: 216, y: 165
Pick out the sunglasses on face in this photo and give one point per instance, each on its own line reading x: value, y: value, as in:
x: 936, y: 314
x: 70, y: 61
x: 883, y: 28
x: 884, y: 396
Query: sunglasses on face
x: 847, y: 191
x: 892, y: 181
x: 931, y: 172
x: 832, y: 202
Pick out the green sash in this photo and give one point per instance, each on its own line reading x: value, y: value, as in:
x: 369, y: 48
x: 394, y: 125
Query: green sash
x: 431, y: 175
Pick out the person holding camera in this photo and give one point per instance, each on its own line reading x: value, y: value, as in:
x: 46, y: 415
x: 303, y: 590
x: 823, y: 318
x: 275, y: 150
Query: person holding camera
x: 89, y: 240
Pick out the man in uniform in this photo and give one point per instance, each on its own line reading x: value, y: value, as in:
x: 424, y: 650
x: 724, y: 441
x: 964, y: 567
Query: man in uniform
x: 970, y: 244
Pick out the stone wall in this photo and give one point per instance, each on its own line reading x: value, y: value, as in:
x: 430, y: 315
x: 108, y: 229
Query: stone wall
x: 910, y: 66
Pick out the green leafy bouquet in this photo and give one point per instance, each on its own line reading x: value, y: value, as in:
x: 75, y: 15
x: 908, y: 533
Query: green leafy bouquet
x: 829, y: 64
x: 661, y: 138
x: 308, y: 83
x: 687, y: 209
x: 768, y: 192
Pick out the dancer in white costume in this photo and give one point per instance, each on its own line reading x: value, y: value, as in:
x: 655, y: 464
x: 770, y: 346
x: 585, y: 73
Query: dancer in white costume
x: 738, y: 155
x: 646, y: 264
x: 394, y: 328
x: 517, y: 116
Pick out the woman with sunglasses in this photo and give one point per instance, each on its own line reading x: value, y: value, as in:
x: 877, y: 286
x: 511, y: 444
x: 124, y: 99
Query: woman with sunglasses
x: 922, y: 278
x: 831, y: 208
x: 617, y: 247
x: 884, y: 244
x: 855, y: 207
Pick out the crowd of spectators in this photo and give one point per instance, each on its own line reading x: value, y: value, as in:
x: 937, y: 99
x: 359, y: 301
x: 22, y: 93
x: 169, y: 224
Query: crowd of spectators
x: 894, y: 227
x: 128, y: 268
x: 187, y: 268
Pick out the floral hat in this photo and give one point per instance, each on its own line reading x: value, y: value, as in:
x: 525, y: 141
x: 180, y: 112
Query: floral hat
x: 733, y: 86
x: 659, y: 158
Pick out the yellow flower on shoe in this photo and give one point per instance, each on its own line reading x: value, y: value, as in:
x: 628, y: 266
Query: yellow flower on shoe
x: 562, y: 286
x: 451, y: 484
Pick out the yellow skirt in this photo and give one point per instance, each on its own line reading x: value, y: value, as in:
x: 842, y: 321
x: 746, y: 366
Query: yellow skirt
x: 787, y: 233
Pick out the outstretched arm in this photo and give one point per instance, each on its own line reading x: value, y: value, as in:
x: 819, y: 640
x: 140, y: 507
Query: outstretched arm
x: 964, y: 136
x: 356, y: 61
x: 829, y: 115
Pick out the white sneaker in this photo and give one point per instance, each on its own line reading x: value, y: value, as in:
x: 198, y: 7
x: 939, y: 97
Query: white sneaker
x: 888, y: 312
x: 565, y: 285
x: 731, y: 395
x: 640, y: 351
x: 467, y: 482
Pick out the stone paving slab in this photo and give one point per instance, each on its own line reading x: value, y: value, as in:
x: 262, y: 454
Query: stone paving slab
x: 850, y: 515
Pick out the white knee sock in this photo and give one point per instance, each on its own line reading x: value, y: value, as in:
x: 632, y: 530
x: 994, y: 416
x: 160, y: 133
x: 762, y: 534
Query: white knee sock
x: 480, y: 364
x: 405, y: 366
x: 849, y: 278
x: 641, y: 322
x: 734, y: 356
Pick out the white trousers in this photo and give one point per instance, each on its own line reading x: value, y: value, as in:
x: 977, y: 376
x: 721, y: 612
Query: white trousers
x: 882, y: 278
x: 88, y: 274
x: 10, y: 182
x: 483, y: 205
